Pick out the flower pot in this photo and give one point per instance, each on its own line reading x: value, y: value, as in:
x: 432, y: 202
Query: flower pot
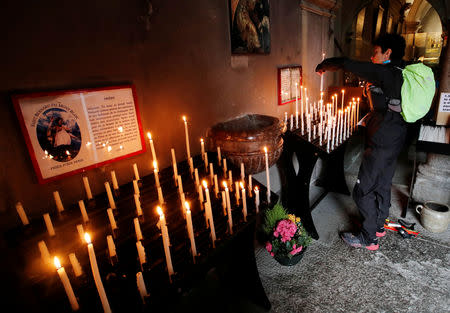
x: 290, y: 261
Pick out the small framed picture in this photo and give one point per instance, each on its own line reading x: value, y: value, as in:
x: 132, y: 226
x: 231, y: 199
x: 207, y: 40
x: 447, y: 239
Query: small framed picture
x: 289, y: 82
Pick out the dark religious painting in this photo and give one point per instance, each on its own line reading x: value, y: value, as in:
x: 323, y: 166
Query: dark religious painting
x: 250, y: 26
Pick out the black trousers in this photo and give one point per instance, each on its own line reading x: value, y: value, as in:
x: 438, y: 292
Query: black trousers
x: 385, y: 137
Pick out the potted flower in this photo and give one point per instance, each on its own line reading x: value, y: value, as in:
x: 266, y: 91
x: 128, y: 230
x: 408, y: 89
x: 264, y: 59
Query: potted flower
x: 287, y: 239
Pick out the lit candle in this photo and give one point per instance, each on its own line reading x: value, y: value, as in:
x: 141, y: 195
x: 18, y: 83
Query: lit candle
x: 342, y: 103
x: 224, y: 203
x: 155, y: 171
x: 285, y: 118
x: 58, y: 201
x: 77, y: 270
x: 267, y: 174
x: 137, y: 202
x: 183, y: 200
x: 174, y: 165
x: 45, y: 255
x: 141, y: 286
x: 197, y: 181
x: 334, y: 132
x: 166, y: 242
x: 96, y: 274
x: 112, y: 204
x: 83, y: 211
x: 301, y: 106
x: 206, y: 161
x: 357, y: 111
x: 137, y: 229
x: 160, y: 196
x: 112, y: 221
x: 257, y: 199
x: 87, y: 187
x: 230, y: 218
x: 114, y: 180
x: 22, y: 214
x: 141, y: 253
x: 111, y: 246
x: 244, y: 202
x: 149, y: 135
x: 136, y: 173
x: 321, y: 78
x: 48, y: 223
x: 66, y: 283
x: 344, y: 136
x: 191, y: 165
x: 202, y: 143
x: 80, y: 232
x: 250, y: 185
x: 136, y: 187
x: 219, y: 155
x: 208, y: 210
x: 292, y: 121
x: 187, y: 138
x: 200, y: 196
x: 190, y: 229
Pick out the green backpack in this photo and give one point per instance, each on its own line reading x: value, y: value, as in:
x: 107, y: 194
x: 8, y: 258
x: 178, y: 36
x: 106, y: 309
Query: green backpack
x: 418, y: 91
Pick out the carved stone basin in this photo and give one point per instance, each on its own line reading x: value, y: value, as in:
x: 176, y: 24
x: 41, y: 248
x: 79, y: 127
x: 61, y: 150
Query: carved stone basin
x: 242, y: 139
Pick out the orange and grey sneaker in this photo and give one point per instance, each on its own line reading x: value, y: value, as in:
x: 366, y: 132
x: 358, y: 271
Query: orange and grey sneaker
x: 358, y: 241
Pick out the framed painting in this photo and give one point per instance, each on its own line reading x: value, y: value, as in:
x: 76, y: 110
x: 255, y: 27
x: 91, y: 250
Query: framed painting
x: 249, y: 26
x: 289, y: 82
x: 70, y: 131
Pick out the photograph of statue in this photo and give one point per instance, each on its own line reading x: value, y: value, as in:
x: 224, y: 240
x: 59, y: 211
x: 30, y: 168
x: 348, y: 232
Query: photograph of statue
x: 250, y: 26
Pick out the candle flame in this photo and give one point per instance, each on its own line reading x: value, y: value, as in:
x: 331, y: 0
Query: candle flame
x: 109, y: 148
x: 342, y: 90
x: 224, y: 183
x: 256, y: 188
x: 120, y: 129
x: 87, y: 238
x: 188, y: 208
x: 155, y: 165
x: 149, y: 135
x: 205, y: 184
x: 159, y: 210
x: 57, y: 263
x: 265, y: 149
x: 357, y: 99
x: 242, y: 185
x: 67, y: 152
x: 184, y: 118
x: 201, y: 140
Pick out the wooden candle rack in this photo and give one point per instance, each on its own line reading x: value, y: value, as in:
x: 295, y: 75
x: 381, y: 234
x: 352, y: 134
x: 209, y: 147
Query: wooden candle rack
x: 43, y: 292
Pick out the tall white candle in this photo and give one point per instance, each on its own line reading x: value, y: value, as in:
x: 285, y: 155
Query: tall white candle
x: 141, y: 253
x: 219, y: 156
x: 267, y: 174
x: 114, y: 180
x: 155, y: 172
x: 137, y: 203
x: 230, y: 179
x: 257, y: 199
x: 112, y: 221
x: 160, y: 196
x: 137, y: 229
x: 152, y: 147
x: 141, y: 285
x: 96, y: 274
x: 174, y: 165
x: 224, y: 202
x: 112, y: 204
x: 80, y: 232
x: 236, y: 192
x: 87, y: 187
x: 190, y: 229
x: 250, y: 185
x: 208, y: 209
x: 225, y: 167
x: 111, y: 246
x: 202, y: 144
x: 59, y: 205
x: 45, y: 255
x: 244, y: 202
x: 67, y: 286
x: 83, y: 211
x: 211, y: 173
x: 136, y: 187
x: 188, y: 150
x: 296, y: 105
x: 292, y: 122
x: 334, y: 132
x: 206, y: 161
x: 301, y: 106
x: 22, y: 214
x: 228, y: 203
x: 342, y: 103
x: 216, y: 186
x: 191, y: 165
x: 200, y: 196
x: 242, y: 171
x: 166, y: 242
x: 49, y: 225
x: 180, y: 185
x: 136, y: 172
x: 77, y: 270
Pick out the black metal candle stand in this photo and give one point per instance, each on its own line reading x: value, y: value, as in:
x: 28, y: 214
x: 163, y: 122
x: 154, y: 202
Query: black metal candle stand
x: 46, y: 293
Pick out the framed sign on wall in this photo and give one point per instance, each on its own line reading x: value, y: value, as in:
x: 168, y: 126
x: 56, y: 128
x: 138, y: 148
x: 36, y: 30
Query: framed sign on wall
x: 71, y: 131
x: 289, y: 82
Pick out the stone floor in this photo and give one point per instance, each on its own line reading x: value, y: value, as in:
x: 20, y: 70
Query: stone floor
x: 404, y: 275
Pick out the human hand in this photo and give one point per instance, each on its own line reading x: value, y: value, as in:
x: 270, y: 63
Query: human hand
x: 330, y: 64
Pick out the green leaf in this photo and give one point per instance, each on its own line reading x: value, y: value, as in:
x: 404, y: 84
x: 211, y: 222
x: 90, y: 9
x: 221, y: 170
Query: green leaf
x: 272, y: 217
